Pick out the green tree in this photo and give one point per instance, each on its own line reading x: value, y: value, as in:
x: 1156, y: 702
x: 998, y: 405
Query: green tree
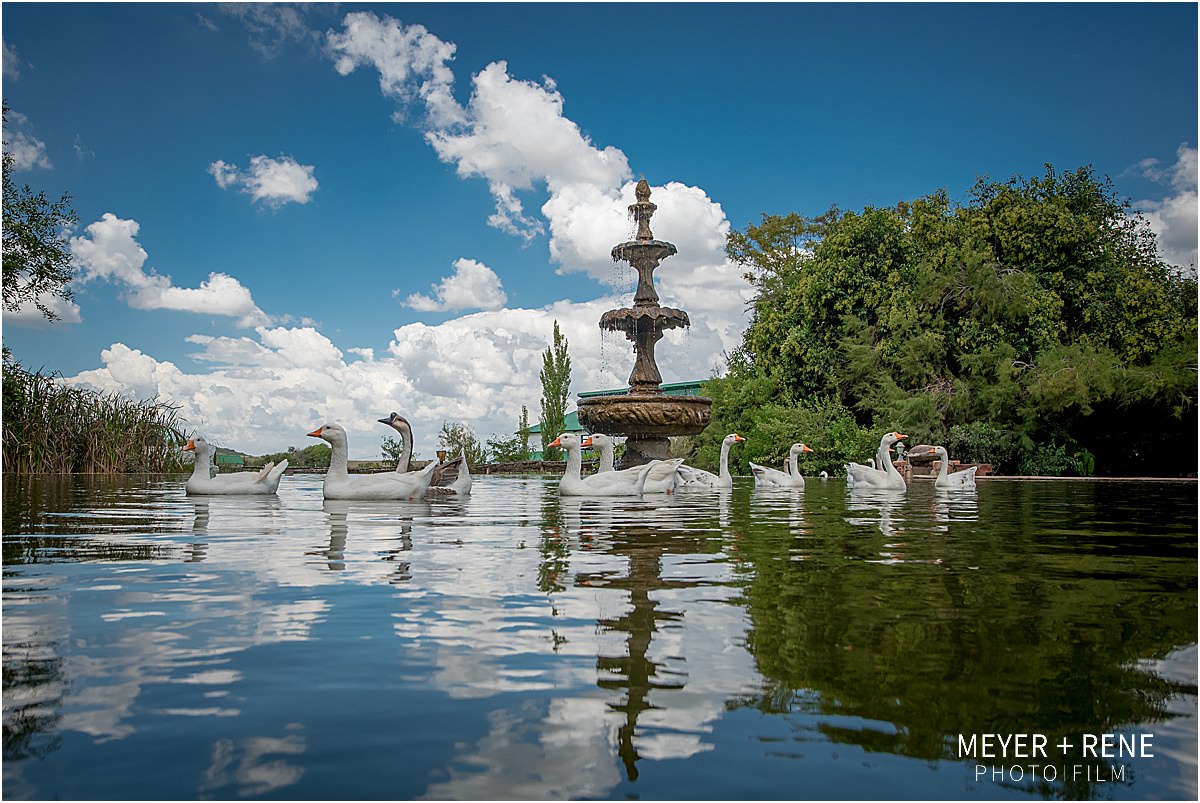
x: 1039, y: 311
x: 771, y: 422
x: 392, y: 448
x: 514, y: 448
x: 523, y: 432
x: 37, y: 255
x: 457, y: 438
x: 502, y: 449
x: 556, y: 391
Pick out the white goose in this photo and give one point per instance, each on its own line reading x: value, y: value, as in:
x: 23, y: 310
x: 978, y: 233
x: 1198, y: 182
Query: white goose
x: 203, y: 482
x: 451, y: 477
x: 608, y: 483
x: 774, y: 478
x: 947, y: 480
x: 699, y: 479
x: 390, y: 485
x: 212, y: 469
x: 662, y: 479
x: 887, y: 478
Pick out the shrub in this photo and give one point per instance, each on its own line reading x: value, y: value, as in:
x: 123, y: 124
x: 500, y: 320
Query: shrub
x: 983, y: 442
x: 1047, y: 460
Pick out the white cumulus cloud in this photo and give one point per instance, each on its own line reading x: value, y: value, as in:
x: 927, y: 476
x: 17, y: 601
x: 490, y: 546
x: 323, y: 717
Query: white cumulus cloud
x: 28, y: 152
x: 412, y: 63
x: 1173, y: 218
x: 473, y: 285
x: 29, y: 315
x: 516, y: 137
x: 109, y: 250
x: 512, y: 133
x: 272, y: 181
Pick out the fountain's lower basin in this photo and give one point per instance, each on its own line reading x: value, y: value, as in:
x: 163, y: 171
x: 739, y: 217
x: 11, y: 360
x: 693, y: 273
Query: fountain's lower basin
x: 654, y: 415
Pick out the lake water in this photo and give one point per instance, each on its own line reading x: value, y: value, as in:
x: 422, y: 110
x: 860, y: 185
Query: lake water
x: 745, y: 645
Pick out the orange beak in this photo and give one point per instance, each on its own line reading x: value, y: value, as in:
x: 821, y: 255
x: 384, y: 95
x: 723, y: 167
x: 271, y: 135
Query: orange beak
x: 316, y: 433
x: 738, y: 438
x: 553, y: 443
x: 587, y: 443
x: 804, y: 447
x: 191, y: 446
x: 899, y: 436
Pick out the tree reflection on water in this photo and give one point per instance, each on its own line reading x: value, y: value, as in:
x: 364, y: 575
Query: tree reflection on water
x: 998, y: 622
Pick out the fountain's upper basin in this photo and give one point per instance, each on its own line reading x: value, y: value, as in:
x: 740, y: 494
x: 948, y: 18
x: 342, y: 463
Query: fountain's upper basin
x: 645, y: 414
x: 632, y: 319
x: 640, y: 249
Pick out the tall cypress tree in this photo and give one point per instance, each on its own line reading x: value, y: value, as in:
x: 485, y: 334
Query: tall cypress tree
x: 523, y: 433
x: 556, y: 390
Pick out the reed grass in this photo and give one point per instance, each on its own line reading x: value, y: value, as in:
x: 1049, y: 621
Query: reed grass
x: 52, y: 428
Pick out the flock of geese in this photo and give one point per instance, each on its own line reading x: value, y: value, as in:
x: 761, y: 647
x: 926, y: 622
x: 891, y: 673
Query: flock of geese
x: 454, y: 478
x: 437, y: 478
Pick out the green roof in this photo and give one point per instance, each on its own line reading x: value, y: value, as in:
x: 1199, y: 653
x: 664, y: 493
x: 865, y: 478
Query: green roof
x: 570, y: 424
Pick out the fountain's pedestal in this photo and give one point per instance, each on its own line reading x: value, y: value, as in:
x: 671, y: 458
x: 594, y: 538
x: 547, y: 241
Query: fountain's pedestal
x: 645, y: 416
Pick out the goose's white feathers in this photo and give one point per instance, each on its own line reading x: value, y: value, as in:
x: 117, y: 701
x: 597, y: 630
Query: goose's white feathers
x: 204, y: 483
x: 887, y: 477
x: 765, y: 477
x: 661, y: 479
x: 963, y: 479
x: 605, y: 483
x: 699, y: 479
x: 339, y: 484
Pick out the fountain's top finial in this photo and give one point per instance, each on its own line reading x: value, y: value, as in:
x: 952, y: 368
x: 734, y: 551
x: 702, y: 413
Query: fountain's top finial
x: 642, y: 191
x: 643, y: 210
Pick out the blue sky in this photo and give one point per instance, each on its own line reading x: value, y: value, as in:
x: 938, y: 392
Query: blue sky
x: 289, y: 215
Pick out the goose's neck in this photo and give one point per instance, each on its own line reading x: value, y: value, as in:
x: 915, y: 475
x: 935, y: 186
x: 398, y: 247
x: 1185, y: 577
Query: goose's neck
x: 338, y: 461
x: 723, y: 470
x: 793, y: 465
x: 887, y: 461
x: 606, y: 457
x: 574, y: 461
x: 944, y: 468
x: 405, y: 448
x: 200, y: 467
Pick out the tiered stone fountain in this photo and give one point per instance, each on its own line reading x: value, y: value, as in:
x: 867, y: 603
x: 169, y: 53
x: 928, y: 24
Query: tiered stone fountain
x: 645, y: 416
